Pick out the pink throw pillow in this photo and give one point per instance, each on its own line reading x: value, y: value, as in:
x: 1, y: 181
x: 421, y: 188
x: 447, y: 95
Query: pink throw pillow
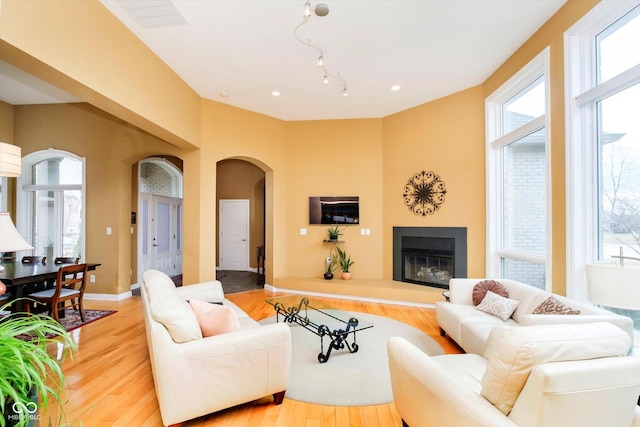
x: 214, y: 319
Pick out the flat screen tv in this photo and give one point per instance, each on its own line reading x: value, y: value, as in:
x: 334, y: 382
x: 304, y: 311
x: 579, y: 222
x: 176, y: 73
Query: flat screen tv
x: 334, y: 210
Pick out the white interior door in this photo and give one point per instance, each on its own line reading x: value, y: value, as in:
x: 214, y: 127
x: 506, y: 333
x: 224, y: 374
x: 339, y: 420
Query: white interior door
x: 161, y: 241
x: 160, y: 234
x: 234, y: 234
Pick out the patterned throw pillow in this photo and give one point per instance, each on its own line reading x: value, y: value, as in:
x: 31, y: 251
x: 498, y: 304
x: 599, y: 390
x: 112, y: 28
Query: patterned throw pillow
x: 480, y: 290
x: 553, y: 305
x: 498, y: 305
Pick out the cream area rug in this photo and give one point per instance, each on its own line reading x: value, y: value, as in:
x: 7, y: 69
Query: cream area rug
x: 349, y: 379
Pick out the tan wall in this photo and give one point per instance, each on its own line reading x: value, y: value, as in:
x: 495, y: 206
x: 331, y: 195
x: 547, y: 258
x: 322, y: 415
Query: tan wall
x: 111, y: 147
x: 82, y: 48
x: 233, y: 133
x: 6, y: 135
x: 334, y: 158
x: 446, y: 137
x: 6, y: 122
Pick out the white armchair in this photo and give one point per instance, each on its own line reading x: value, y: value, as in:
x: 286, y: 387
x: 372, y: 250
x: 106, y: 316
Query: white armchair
x: 546, y: 375
x: 195, y: 376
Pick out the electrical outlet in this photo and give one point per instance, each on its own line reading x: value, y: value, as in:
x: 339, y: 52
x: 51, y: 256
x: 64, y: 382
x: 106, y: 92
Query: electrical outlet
x: 92, y: 278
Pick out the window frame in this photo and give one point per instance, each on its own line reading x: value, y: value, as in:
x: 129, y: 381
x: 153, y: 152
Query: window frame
x: 25, y: 186
x: 582, y: 93
x: 537, y: 68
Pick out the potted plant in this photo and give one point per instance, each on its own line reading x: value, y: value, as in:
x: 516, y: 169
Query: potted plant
x: 29, y: 372
x: 345, y: 263
x: 334, y: 232
x: 330, y: 266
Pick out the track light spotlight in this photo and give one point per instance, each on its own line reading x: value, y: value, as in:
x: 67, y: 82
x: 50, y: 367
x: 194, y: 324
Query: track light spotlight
x: 321, y: 9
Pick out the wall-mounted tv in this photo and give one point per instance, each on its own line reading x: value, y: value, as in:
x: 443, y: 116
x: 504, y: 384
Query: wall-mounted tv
x: 334, y: 210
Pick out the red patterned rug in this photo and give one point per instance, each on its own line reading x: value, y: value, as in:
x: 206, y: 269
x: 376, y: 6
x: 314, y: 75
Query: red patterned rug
x: 71, y: 319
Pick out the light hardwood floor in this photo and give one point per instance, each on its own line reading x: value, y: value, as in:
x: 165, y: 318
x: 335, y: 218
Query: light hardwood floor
x: 110, y: 381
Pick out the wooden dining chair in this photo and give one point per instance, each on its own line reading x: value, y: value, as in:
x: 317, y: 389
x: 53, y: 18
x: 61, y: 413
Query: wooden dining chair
x: 70, y: 285
x: 34, y: 259
x: 66, y: 260
x: 38, y: 286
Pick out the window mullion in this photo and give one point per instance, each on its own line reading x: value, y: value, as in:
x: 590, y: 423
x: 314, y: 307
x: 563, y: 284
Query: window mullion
x: 519, y: 133
x: 612, y: 86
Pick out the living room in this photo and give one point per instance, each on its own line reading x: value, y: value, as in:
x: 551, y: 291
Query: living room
x: 123, y: 120
x: 372, y: 161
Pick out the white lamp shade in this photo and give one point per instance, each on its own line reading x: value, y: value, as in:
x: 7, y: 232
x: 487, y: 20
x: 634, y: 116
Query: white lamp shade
x: 10, y: 161
x: 10, y: 239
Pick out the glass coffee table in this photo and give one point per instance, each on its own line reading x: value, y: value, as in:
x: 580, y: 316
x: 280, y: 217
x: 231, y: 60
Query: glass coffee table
x: 323, y: 320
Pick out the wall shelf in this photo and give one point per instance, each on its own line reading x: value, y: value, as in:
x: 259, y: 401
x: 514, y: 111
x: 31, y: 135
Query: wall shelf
x: 333, y: 241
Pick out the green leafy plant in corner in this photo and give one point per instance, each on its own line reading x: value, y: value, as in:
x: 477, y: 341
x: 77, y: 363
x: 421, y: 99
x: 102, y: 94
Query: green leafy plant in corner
x: 27, y: 368
x: 344, y: 260
x: 334, y: 232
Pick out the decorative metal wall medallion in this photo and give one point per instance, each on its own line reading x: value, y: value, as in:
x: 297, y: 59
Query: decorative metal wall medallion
x: 424, y: 193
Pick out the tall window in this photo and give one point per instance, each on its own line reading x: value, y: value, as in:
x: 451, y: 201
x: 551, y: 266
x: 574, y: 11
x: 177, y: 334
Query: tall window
x: 51, y: 203
x: 517, y: 177
x: 603, y: 137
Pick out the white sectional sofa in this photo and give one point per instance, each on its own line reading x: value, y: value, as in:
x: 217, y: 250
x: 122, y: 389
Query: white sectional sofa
x: 196, y: 375
x: 532, y: 376
x: 470, y: 328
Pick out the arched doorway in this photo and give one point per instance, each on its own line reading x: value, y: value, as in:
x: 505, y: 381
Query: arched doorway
x: 240, y: 189
x: 159, y: 216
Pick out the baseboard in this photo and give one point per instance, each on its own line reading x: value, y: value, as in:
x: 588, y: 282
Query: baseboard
x: 272, y: 288
x: 251, y: 269
x: 108, y: 297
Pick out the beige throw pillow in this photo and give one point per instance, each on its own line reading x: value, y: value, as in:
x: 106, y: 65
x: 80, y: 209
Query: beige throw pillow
x: 498, y: 306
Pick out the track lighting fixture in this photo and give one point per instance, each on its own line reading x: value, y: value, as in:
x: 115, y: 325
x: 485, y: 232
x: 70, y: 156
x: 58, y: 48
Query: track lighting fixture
x: 321, y: 9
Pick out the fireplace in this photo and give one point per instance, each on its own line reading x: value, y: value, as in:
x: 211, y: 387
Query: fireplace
x: 429, y: 256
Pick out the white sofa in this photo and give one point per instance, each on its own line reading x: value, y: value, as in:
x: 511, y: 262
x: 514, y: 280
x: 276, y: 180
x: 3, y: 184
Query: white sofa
x: 532, y: 376
x: 195, y: 376
x: 470, y: 328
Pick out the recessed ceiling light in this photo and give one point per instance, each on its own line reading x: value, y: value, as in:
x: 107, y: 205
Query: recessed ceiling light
x: 223, y: 95
x: 395, y: 88
x: 275, y: 93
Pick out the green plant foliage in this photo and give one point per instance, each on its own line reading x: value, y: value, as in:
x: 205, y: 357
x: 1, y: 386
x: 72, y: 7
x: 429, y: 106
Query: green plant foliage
x: 344, y: 260
x: 334, y: 232
x: 331, y: 265
x: 26, y: 367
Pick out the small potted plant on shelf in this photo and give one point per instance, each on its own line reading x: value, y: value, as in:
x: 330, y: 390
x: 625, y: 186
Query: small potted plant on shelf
x: 345, y: 263
x: 330, y: 266
x: 30, y: 373
x: 334, y: 233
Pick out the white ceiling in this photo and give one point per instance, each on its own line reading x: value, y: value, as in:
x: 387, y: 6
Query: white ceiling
x: 247, y: 49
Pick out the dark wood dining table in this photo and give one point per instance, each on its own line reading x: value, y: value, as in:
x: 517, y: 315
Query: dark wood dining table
x: 18, y: 277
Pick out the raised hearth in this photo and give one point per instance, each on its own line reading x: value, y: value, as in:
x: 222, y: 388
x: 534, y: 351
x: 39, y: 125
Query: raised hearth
x: 429, y: 256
